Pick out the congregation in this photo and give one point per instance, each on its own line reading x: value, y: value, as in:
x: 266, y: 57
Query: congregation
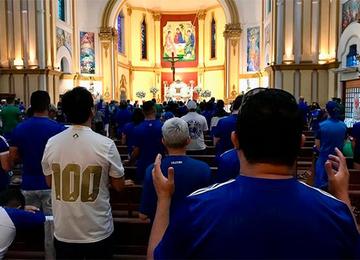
x: 237, y: 204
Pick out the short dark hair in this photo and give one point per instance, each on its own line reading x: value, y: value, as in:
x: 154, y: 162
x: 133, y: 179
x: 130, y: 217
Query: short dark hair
x: 269, y: 127
x: 237, y: 103
x: 12, y: 197
x: 40, y: 101
x: 148, y: 108
x: 77, y: 104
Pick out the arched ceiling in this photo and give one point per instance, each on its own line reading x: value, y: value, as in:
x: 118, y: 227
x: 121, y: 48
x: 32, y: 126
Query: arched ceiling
x: 173, y: 5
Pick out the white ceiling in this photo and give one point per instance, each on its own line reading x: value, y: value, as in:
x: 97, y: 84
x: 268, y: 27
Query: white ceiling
x: 173, y: 5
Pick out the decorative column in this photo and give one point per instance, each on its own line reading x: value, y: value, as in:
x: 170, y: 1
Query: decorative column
x: 232, y: 46
x: 129, y: 52
x: 106, y: 37
x: 201, y: 71
x: 10, y: 32
x: 25, y: 31
x: 158, y: 54
x: 279, y: 42
x: 40, y: 40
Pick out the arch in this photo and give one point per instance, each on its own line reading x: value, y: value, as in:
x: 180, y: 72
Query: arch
x: 64, y: 53
x: 351, y: 35
x: 64, y: 65
x: 112, y: 7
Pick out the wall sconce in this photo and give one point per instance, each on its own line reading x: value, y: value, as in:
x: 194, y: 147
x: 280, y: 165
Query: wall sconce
x: 18, y: 64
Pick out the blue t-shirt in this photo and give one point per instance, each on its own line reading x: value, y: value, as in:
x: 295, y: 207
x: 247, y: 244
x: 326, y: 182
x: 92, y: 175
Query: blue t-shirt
x: 30, y: 137
x: 122, y: 117
x: 223, y: 131
x: 128, y: 130
x: 147, y: 137
x: 4, y: 176
x: 228, y: 166
x: 331, y: 133
x: 190, y: 175
x: 260, y: 219
x: 23, y: 219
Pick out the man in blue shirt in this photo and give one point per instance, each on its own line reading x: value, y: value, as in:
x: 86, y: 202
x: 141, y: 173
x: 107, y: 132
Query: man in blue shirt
x: 190, y: 176
x: 147, y: 141
x: 123, y: 116
x: 28, y: 143
x: 13, y: 217
x: 265, y: 212
x: 331, y: 135
x: 228, y: 166
x: 224, y: 128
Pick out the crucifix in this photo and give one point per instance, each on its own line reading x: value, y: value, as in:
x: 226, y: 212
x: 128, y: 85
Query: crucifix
x: 173, y: 60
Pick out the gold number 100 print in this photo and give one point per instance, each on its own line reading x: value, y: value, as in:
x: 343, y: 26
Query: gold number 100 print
x: 67, y: 183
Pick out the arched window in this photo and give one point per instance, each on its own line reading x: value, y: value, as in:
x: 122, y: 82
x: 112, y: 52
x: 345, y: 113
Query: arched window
x: 351, y: 58
x: 213, y: 38
x: 61, y: 10
x: 64, y: 65
x: 121, y: 32
x: 143, y: 40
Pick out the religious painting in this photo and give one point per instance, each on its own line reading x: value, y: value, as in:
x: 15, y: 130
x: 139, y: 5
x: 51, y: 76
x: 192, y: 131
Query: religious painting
x: 87, y: 52
x: 121, y: 32
x: 356, y: 108
x: 179, y: 40
x: 350, y: 12
x: 213, y: 39
x: 267, y: 43
x: 253, y: 48
x: 63, y: 38
x: 143, y: 40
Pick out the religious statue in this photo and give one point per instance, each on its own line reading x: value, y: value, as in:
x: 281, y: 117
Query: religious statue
x: 123, y: 87
x: 233, y: 93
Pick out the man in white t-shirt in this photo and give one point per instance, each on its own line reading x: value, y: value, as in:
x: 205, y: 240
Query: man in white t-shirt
x: 80, y: 164
x: 197, y: 126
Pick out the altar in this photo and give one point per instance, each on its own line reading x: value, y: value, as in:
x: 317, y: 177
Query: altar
x: 178, y: 91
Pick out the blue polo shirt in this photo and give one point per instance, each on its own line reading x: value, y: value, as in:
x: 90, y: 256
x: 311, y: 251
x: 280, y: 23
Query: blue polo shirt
x: 223, y: 131
x: 228, y: 166
x: 260, y: 219
x: 190, y: 175
x: 4, y: 177
x: 30, y: 137
x: 331, y: 133
x: 147, y: 137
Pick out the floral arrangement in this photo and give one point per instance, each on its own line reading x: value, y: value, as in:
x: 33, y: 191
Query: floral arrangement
x: 154, y: 90
x: 206, y: 94
x: 140, y: 94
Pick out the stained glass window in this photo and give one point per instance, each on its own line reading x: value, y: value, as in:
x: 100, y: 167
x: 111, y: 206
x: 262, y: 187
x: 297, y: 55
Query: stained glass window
x: 143, y: 40
x: 351, y: 58
x: 213, y: 38
x: 61, y: 10
x: 121, y: 32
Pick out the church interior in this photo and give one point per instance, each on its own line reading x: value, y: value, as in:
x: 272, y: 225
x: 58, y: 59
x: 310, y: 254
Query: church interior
x: 121, y: 46
x: 205, y: 58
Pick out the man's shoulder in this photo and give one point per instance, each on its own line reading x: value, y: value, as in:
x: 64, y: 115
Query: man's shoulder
x: 217, y: 191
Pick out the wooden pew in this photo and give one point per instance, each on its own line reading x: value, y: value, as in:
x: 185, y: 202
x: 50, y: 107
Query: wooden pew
x: 209, y: 159
x: 131, y: 236
x: 28, y: 244
x: 127, y: 202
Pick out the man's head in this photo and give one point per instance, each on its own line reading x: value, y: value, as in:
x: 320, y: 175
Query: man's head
x: 12, y: 198
x: 191, y: 105
x: 269, y: 127
x: 40, y: 101
x: 175, y: 133
x: 78, y: 105
x: 149, y: 109
x: 123, y: 104
x: 333, y: 109
x: 236, y: 104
